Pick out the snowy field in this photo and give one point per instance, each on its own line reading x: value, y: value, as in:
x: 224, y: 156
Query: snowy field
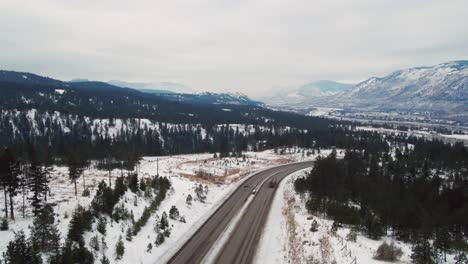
x: 185, y: 172
x: 287, y: 237
x: 418, y: 133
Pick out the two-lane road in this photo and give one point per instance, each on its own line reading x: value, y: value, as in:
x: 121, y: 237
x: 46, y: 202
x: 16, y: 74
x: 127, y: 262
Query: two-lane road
x: 241, y: 245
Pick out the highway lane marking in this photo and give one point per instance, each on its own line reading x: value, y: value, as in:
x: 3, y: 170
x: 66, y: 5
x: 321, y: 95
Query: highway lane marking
x: 226, y: 234
x: 172, y: 254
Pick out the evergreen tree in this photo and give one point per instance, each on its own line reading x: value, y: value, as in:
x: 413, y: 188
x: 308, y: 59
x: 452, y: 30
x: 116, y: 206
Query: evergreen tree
x: 45, y: 236
x: 443, y: 241
x: 423, y: 252
x: 75, y: 170
x: 105, y: 260
x: 119, y: 249
x: 20, y: 251
x: 36, y: 179
x: 129, y: 234
x: 101, y: 225
x: 163, y: 223
x: 4, y: 224
x: 94, y: 244
x: 48, y: 169
x: 9, y: 172
x: 80, y: 222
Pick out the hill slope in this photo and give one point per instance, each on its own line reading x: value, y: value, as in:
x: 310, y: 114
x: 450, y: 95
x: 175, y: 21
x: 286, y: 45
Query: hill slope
x: 441, y: 88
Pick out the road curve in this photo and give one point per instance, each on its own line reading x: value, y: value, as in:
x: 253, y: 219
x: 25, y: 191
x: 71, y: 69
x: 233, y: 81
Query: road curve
x: 241, y: 246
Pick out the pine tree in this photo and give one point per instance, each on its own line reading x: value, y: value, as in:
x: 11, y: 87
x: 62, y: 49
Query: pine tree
x: 80, y: 222
x: 129, y: 234
x: 105, y: 260
x: 163, y: 223
x: 94, y: 244
x: 36, y: 176
x: 101, y: 225
x: 75, y: 170
x: 4, y: 172
x: 4, y: 224
x: 9, y: 172
x: 119, y: 249
x: 423, y: 252
x: 20, y: 251
x: 443, y: 241
x: 48, y: 169
x: 45, y: 236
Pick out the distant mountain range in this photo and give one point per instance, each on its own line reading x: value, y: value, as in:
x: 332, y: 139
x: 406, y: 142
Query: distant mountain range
x: 161, y: 87
x: 304, y: 94
x: 23, y: 93
x: 441, y: 89
x: 104, y: 87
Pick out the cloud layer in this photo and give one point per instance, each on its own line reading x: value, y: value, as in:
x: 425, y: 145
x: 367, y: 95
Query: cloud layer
x: 229, y: 45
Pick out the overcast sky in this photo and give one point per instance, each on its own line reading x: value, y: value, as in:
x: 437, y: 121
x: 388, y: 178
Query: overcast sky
x: 252, y: 47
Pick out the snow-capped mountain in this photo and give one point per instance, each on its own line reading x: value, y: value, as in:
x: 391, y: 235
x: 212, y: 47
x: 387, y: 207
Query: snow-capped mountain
x: 307, y: 93
x: 439, y: 91
x: 441, y: 88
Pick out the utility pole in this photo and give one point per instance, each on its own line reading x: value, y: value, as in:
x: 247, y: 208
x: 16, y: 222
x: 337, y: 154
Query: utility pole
x: 157, y: 167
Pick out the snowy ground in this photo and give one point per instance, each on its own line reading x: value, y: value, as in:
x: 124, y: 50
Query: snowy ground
x: 185, y: 172
x: 418, y: 133
x: 287, y: 238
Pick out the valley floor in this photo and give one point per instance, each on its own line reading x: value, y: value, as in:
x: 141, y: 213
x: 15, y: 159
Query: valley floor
x: 218, y: 177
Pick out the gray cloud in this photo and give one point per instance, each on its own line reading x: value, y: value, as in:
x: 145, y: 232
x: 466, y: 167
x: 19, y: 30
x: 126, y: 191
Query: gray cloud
x: 227, y: 45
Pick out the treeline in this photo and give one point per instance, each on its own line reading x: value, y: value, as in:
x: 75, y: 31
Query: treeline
x: 416, y: 189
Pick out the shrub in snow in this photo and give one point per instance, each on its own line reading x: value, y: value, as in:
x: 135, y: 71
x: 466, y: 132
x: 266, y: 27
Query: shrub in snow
x: 163, y: 223
x: 315, y: 226
x: 86, y: 193
x: 182, y: 219
x: 351, y: 236
x: 4, y: 224
x: 189, y: 199
x: 103, y: 245
x: 461, y: 259
x: 159, y: 239
x: 388, y: 252
x: 174, y: 213
x: 94, y: 244
x: 119, y: 249
x: 167, y: 232
x: 149, y: 248
x: 200, y: 193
